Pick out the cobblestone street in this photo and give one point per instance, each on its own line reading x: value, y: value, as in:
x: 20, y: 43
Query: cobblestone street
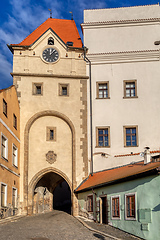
x: 55, y: 225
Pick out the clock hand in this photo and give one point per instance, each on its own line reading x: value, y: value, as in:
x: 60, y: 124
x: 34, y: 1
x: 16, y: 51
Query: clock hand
x: 52, y: 52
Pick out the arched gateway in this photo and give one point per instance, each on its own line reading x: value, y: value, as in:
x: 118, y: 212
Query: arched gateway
x: 47, y: 179
x: 44, y: 191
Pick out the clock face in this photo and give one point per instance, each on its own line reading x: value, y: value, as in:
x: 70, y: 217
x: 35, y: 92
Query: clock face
x: 50, y: 55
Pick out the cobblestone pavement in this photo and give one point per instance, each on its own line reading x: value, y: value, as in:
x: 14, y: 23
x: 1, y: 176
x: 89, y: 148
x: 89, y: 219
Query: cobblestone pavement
x: 103, y: 228
x: 55, y: 225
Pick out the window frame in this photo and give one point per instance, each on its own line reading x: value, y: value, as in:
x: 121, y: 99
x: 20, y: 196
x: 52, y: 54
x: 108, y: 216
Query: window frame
x: 97, y: 87
x: 61, y: 86
x: 90, y: 204
x: 5, y: 108
x: 34, y: 88
x: 16, y: 191
x: 135, y: 206
x: 97, y: 136
x: 124, y: 86
x: 14, y: 121
x: 119, y: 216
x: 124, y: 132
x: 5, y: 196
x: 48, y: 129
x: 6, y: 147
x: 15, y: 163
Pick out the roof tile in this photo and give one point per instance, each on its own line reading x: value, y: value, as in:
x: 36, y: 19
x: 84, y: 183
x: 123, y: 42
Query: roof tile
x: 118, y: 173
x: 65, y: 29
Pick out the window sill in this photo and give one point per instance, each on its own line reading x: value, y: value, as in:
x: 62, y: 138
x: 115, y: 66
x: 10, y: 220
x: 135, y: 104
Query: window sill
x: 102, y: 146
x: 5, y: 115
x: 15, y: 166
x: 64, y: 95
x: 130, y: 97
x: 115, y: 218
x: 4, y: 158
x: 103, y: 98
x: 130, y: 219
x: 131, y: 146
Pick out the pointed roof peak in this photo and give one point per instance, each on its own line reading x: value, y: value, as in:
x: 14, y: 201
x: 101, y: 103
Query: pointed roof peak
x: 65, y: 29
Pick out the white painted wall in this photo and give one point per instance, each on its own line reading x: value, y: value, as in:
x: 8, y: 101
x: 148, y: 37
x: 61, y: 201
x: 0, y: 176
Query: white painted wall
x: 124, y: 50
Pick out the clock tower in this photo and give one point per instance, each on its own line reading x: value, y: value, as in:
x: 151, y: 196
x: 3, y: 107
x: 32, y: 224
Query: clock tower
x: 50, y: 77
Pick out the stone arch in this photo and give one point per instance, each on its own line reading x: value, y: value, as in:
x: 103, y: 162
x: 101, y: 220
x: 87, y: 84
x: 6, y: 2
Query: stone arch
x: 35, y: 180
x: 26, y: 152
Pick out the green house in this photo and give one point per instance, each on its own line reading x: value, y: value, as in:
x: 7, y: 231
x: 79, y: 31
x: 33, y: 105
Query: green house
x: 126, y: 197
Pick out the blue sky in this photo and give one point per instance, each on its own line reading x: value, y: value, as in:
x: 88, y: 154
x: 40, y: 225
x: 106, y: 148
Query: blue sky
x: 18, y: 18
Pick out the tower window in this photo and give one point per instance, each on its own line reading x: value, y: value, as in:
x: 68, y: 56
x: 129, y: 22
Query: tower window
x: 37, y: 89
x: 63, y: 89
x: 51, y: 134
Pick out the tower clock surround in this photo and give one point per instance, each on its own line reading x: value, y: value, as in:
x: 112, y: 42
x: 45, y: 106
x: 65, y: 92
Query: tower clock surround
x: 50, y: 54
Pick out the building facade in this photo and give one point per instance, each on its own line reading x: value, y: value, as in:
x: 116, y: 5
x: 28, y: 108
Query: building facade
x: 50, y: 76
x: 123, y: 48
x: 9, y: 152
x: 125, y: 197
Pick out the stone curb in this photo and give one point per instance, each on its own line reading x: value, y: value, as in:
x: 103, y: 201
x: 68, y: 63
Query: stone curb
x: 11, y: 219
x: 94, y: 230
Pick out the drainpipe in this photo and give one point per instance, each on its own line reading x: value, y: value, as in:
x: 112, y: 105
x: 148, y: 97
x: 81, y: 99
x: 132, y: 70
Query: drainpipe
x: 90, y: 86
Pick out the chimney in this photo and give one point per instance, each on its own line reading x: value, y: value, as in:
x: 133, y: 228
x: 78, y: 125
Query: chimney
x: 147, y: 155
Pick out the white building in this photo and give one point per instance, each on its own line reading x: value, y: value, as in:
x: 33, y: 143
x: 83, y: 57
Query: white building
x: 123, y: 47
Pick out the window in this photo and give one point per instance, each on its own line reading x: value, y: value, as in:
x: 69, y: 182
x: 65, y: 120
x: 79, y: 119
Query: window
x: 63, y: 89
x: 103, y: 137
x: 4, y: 147
x: 14, y: 197
x: 14, y: 121
x: 115, y: 207
x: 37, y: 88
x: 3, y: 195
x: 50, y: 41
x: 90, y: 203
x: 131, y: 136
x: 51, y: 134
x: 15, y: 156
x: 130, y: 206
x: 102, y: 89
x: 130, y: 89
x: 4, y: 108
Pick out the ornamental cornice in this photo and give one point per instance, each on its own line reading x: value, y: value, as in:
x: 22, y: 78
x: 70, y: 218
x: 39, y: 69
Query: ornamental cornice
x: 120, y: 22
x: 126, y: 56
x: 48, y: 75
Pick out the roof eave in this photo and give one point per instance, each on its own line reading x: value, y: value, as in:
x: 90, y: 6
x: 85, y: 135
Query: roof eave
x: 154, y: 171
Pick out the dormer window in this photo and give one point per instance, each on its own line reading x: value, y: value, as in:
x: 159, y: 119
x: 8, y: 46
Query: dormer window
x: 50, y: 41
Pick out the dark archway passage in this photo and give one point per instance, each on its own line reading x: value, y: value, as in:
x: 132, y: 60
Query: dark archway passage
x: 62, y: 197
x: 51, y: 192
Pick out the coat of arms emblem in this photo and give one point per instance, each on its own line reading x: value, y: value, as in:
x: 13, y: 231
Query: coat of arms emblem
x: 51, y: 157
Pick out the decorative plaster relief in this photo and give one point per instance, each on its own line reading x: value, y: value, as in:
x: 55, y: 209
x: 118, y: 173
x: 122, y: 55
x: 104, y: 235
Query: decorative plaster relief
x: 51, y: 157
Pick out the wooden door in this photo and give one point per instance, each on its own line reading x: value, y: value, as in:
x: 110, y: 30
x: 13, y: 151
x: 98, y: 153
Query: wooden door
x: 104, y: 210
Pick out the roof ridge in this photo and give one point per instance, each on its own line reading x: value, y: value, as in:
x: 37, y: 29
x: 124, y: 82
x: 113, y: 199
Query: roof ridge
x: 34, y: 31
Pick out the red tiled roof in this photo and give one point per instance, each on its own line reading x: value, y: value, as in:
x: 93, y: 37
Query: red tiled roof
x: 111, y: 175
x: 65, y: 29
